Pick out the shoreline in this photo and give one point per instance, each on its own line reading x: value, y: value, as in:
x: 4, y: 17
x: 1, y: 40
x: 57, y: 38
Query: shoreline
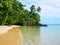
x: 4, y: 28
x: 10, y: 35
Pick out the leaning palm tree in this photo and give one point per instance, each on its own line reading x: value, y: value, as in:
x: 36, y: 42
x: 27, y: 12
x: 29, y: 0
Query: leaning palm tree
x: 32, y: 8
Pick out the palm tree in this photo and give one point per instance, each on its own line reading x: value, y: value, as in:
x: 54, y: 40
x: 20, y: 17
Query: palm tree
x: 38, y: 9
x: 32, y: 8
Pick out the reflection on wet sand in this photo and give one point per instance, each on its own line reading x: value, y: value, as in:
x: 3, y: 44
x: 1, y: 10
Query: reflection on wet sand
x: 31, y: 35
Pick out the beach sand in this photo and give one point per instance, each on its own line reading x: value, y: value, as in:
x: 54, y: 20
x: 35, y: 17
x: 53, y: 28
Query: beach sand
x: 9, y: 35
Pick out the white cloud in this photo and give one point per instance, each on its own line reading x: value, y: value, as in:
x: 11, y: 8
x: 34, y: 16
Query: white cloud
x: 50, y: 8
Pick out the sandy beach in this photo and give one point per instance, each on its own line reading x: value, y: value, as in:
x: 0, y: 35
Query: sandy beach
x: 9, y: 35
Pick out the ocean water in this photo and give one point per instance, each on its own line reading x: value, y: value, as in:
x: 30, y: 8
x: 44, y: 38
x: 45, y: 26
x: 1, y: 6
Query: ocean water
x: 37, y: 35
x: 50, y: 35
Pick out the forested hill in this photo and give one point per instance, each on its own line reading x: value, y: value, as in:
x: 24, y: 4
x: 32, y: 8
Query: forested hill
x: 12, y: 12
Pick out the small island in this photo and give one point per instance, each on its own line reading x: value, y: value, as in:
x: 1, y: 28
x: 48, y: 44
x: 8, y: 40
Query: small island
x: 14, y: 13
x: 43, y: 24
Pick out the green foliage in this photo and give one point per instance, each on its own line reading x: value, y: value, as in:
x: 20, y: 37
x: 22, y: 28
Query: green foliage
x: 38, y: 9
x: 32, y: 8
x: 13, y: 12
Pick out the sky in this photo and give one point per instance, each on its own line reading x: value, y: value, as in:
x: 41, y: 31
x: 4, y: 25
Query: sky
x: 50, y: 10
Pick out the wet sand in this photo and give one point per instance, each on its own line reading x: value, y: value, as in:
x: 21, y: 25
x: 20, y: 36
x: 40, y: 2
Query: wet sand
x: 10, y: 36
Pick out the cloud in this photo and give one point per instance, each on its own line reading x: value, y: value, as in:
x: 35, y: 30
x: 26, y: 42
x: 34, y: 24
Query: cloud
x: 50, y: 8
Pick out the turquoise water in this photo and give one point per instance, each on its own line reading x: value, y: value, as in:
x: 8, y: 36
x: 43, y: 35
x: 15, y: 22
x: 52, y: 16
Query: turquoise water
x: 50, y: 35
x: 36, y: 35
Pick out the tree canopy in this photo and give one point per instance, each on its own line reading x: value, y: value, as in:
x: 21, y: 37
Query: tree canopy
x: 12, y: 12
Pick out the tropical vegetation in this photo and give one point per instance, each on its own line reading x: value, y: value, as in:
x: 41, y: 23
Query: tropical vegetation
x: 12, y: 12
